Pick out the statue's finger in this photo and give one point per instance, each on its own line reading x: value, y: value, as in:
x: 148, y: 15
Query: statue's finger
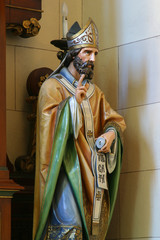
x: 81, y: 80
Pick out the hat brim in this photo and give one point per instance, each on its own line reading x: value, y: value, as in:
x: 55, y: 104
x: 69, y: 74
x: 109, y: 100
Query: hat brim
x: 61, y: 43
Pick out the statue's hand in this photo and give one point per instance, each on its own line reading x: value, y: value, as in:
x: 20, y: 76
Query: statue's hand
x: 81, y: 90
x: 109, y: 137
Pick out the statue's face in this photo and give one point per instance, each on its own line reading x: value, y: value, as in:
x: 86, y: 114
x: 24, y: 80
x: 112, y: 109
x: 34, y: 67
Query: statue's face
x: 88, y: 54
x: 84, y: 62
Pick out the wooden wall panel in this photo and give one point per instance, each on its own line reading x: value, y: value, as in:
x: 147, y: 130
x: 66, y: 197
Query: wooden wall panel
x: 22, y: 10
x: 5, y: 209
x: 2, y: 86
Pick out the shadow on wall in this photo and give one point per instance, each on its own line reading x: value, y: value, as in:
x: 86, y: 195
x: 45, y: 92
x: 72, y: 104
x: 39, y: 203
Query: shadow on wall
x: 108, y: 24
x: 134, y: 191
x: 106, y: 76
x: 106, y: 70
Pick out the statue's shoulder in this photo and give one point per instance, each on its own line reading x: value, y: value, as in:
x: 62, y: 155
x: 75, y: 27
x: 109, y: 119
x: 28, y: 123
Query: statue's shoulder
x: 51, y: 81
x: 50, y: 86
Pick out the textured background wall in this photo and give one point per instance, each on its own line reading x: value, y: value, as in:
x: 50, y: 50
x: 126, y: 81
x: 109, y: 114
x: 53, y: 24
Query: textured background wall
x: 127, y: 69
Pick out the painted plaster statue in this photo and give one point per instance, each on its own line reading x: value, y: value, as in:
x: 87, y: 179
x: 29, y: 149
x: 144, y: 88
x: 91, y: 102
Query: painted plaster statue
x: 79, y: 147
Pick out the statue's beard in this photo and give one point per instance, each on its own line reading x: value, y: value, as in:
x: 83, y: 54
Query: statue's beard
x: 84, y: 67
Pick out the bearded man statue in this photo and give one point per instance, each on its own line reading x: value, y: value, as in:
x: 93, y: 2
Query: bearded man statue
x: 79, y: 147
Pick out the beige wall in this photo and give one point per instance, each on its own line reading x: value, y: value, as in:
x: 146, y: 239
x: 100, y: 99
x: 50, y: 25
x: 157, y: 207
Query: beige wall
x: 128, y: 69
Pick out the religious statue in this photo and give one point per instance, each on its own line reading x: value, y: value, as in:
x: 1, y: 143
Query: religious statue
x: 79, y: 147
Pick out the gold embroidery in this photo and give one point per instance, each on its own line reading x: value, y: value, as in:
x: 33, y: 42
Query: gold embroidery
x: 89, y: 133
x: 103, y: 225
x: 98, y: 195
x: 64, y: 233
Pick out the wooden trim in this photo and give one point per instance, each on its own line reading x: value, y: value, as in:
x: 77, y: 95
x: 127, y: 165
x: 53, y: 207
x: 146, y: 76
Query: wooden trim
x: 2, y: 85
x: 23, y: 8
x: 5, y: 212
x: 7, y: 186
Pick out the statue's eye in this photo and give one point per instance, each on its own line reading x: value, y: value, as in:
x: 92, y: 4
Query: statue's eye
x: 88, y: 52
